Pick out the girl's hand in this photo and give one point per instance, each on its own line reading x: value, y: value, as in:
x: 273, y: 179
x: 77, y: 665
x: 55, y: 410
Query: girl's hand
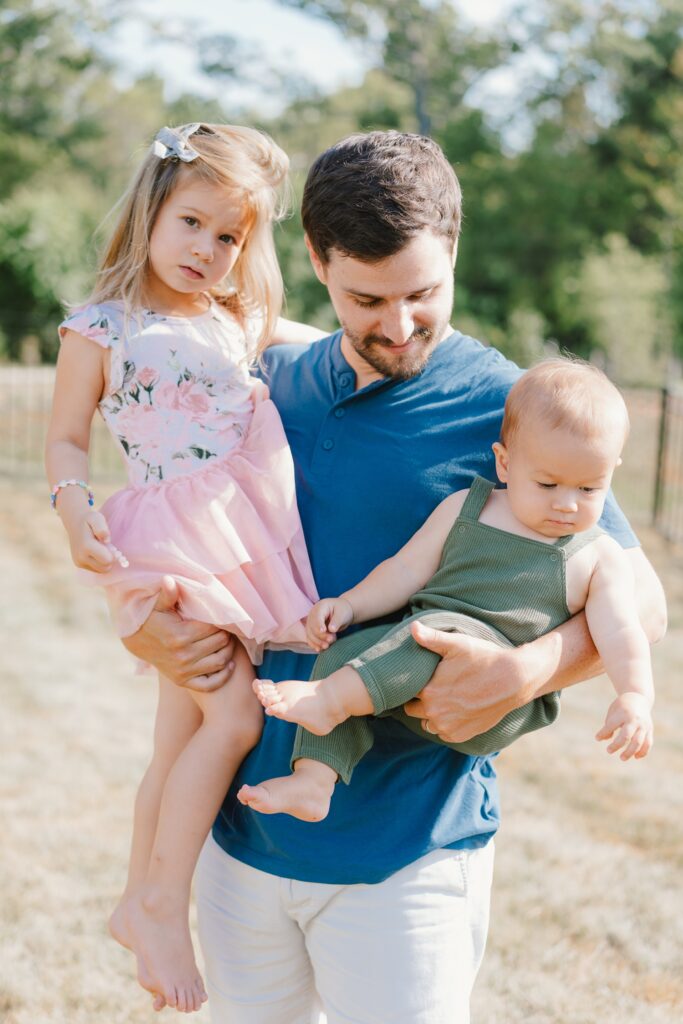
x: 325, y: 620
x: 630, y: 717
x: 89, y: 539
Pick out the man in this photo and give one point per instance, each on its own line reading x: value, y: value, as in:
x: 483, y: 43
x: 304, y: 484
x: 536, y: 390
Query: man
x: 380, y: 912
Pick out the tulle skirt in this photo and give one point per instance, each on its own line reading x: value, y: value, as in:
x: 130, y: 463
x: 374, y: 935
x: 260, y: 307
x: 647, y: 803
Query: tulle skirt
x: 228, y: 533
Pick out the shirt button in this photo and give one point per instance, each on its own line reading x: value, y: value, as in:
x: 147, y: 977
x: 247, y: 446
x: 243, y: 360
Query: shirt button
x: 340, y: 413
x: 328, y: 445
x: 345, y: 380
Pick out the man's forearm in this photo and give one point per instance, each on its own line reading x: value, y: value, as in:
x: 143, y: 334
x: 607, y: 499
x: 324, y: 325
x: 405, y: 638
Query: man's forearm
x: 559, y: 659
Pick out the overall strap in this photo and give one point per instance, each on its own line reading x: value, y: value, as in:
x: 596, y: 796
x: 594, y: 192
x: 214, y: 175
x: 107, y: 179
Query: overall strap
x: 573, y: 542
x: 477, y: 497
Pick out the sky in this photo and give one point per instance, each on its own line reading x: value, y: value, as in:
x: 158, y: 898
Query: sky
x: 289, y: 37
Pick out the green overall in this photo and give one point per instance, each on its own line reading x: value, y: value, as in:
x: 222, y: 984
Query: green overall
x: 490, y: 584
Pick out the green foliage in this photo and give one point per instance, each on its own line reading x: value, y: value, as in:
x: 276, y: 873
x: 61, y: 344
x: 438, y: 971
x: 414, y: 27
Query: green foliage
x: 624, y: 294
x: 572, y: 178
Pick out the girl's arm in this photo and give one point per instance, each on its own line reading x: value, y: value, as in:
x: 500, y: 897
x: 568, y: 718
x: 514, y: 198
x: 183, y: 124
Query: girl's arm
x: 79, y: 384
x: 289, y: 332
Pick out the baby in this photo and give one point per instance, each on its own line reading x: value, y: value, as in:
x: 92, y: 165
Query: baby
x: 506, y: 565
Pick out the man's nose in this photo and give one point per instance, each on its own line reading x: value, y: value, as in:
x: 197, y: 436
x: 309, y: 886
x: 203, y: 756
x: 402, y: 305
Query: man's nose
x: 398, y: 324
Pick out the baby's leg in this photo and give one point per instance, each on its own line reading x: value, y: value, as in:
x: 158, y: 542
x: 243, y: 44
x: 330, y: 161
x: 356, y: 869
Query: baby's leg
x: 319, y: 704
x: 157, y: 913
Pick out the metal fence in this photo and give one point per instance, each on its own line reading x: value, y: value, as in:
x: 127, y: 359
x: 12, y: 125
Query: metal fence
x: 649, y: 485
x: 25, y: 398
x: 667, y: 510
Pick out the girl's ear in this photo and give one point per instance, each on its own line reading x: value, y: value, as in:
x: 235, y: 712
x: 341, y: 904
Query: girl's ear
x: 502, y: 461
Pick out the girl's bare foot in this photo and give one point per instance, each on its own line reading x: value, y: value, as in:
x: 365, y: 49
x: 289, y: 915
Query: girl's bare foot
x: 118, y: 928
x: 117, y: 924
x: 318, y: 705
x: 160, y: 938
x: 305, y: 794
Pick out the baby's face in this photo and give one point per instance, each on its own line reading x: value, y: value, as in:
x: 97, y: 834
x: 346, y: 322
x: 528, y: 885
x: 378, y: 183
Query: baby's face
x: 557, y: 482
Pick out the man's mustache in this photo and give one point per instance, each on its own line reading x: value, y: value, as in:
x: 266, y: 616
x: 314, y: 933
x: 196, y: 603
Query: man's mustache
x: 420, y: 333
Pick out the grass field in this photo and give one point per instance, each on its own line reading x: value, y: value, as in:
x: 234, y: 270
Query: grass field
x: 587, y: 925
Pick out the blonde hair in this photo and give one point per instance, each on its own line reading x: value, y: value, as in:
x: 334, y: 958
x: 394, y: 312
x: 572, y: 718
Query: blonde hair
x: 566, y: 393
x: 250, y: 167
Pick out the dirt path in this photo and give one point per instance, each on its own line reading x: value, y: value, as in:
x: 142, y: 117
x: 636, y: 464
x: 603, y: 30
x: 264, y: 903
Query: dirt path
x: 586, y: 919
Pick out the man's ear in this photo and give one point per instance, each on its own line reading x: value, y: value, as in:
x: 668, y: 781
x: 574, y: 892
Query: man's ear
x: 318, y: 266
x: 455, y: 253
x: 502, y: 461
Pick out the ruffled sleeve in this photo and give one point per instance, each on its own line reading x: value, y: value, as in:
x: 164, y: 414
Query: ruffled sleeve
x: 103, y: 325
x: 98, y: 323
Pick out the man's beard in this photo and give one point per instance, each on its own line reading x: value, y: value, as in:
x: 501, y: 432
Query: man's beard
x: 377, y: 351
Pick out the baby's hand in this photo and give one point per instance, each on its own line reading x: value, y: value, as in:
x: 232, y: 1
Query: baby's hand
x: 630, y: 717
x: 325, y: 620
x: 91, y: 546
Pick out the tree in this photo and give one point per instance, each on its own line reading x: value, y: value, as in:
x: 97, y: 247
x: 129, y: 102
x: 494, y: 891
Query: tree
x: 424, y: 46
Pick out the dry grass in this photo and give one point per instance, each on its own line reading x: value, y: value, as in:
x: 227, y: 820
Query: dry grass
x: 586, y: 917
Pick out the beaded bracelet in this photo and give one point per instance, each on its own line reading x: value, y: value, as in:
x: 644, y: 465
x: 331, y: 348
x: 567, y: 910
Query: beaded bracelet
x: 70, y: 483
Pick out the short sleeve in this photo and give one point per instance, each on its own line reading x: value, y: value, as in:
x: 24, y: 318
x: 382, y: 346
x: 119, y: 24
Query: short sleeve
x: 97, y: 323
x: 615, y: 523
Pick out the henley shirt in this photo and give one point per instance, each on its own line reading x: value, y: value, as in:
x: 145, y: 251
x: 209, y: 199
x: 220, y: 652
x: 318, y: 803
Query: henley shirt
x: 371, y: 465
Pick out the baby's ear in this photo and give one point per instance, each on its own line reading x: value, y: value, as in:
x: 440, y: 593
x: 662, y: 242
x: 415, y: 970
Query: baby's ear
x: 502, y: 460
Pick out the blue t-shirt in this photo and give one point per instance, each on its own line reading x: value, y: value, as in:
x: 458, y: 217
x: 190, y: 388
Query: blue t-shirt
x: 371, y: 465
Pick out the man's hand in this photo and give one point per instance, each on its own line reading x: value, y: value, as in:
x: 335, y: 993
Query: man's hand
x: 475, y: 685
x: 192, y: 654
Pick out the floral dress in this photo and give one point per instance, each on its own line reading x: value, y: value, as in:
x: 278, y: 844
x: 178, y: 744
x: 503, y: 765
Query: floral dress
x: 210, y: 499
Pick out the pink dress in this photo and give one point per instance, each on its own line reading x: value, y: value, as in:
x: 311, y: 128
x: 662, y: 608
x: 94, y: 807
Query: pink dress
x: 210, y: 498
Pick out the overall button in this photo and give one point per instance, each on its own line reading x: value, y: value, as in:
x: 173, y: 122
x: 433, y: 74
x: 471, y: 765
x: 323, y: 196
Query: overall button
x: 328, y: 445
x: 345, y: 380
x: 340, y: 413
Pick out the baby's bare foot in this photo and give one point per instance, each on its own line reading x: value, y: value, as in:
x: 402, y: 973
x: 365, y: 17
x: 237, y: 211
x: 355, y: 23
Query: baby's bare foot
x: 305, y: 794
x: 160, y: 938
x: 318, y: 705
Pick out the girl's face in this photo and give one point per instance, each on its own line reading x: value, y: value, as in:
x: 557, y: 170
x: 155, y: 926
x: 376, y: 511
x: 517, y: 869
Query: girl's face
x: 556, y: 481
x: 195, y: 243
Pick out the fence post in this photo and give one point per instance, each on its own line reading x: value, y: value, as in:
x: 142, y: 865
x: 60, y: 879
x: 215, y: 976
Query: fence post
x: 661, y: 454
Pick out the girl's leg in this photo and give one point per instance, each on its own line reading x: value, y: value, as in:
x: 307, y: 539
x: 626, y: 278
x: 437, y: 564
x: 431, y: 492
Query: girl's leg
x: 157, y: 913
x: 178, y: 718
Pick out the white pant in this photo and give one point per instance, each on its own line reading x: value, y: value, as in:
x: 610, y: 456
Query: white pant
x: 402, y: 951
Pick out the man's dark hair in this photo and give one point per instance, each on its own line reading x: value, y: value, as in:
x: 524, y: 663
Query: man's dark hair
x: 370, y: 194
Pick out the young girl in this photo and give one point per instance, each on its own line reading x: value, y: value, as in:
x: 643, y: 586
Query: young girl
x: 504, y: 565
x: 188, y: 293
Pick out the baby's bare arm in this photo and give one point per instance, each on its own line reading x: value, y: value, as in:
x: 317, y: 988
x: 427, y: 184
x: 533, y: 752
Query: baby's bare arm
x: 390, y: 585
x: 614, y: 623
